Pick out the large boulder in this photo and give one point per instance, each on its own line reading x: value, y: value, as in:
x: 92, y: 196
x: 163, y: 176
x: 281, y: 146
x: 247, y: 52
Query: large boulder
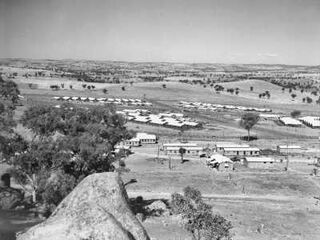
x: 10, y: 197
x: 96, y: 209
x: 158, y: 208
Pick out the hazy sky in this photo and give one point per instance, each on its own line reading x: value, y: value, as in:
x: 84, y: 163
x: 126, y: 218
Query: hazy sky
x: 224, y: 31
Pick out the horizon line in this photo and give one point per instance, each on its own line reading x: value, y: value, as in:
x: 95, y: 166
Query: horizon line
x: 169, y: 62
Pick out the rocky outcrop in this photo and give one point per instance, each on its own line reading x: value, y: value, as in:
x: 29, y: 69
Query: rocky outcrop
x: 10, y: 198
x: 96, y: 209
x: 158, y: 208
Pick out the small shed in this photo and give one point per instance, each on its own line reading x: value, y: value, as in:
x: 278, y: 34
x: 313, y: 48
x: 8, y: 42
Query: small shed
x: 220, y: 162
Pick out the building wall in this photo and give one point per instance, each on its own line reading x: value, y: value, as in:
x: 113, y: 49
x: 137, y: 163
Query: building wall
x: 188, y: 152
x: 293, y: 150
x: 148, y: 141
x: 241, y: 153
x: 267, y: 165
x: 132, y: 143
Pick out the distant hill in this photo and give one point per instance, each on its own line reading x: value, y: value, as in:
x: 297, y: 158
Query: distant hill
x: 206, y: 67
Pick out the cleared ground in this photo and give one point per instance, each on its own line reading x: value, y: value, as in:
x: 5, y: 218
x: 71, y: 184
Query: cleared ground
x: 281, y: 201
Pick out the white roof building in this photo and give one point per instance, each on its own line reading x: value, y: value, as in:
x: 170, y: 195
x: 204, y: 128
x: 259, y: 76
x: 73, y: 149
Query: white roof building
x: 141, y: 119
x: 288, y: 121
x: 289, y: 147
x: 260, y: 159
x: 313, y: 122
x: 146, y: 136
x: 165, y: 145
x: 218, y: 158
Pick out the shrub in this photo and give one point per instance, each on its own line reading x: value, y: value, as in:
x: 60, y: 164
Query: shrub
x: 197, y: 216
x: 192, y: 193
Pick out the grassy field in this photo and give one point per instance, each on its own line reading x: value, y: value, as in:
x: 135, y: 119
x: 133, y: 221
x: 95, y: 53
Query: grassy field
x: 282, y: 201
x: 259, y: 86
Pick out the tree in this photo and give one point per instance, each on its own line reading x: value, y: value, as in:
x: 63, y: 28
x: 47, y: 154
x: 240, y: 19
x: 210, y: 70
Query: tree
x: 54, y: 87
x: 293, y: 95
x: 70, y: 86
x: 9, y: 98
x: 164, y: 86
x: 251, y: 88
x: 295, y: 113
x: 309, y: 100
x: 182, y: 151
x: 32, y: 166
x: 197, y: 216
x: 248, y: 120
x: 268, y: 94
x: 105, y: 91
x: 85, y: 142
x: 123, y: 88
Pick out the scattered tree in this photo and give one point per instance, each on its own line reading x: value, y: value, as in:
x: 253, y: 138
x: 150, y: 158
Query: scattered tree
x: 182, y: 151
x: 309, y: 100
x: 295, y: 113
x: 248, y: 120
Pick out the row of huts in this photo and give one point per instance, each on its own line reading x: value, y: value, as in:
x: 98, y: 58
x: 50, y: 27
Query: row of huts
x: 309, y: 121
x: 215, y: 107
x: 226, y: 154
x: 173, y: 120
x: 118, y: 101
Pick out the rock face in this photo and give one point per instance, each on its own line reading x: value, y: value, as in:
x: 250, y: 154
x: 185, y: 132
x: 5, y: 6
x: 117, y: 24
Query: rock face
x: 10, y: 198
x: 96, y: 209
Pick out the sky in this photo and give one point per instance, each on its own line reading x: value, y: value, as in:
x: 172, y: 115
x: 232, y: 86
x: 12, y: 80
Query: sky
x: 210, y: 31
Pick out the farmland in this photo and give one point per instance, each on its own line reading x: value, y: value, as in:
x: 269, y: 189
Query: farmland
x: 278, y: 199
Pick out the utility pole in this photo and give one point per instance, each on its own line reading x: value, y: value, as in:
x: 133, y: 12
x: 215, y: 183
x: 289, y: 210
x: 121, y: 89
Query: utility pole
x: 287, y: 157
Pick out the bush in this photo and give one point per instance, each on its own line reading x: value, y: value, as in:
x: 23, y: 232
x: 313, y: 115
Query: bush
x: 192, y: 193
x: 197, y: 216
x: 122, y: 163
x: 178, y: 203
x: 57, y: 188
